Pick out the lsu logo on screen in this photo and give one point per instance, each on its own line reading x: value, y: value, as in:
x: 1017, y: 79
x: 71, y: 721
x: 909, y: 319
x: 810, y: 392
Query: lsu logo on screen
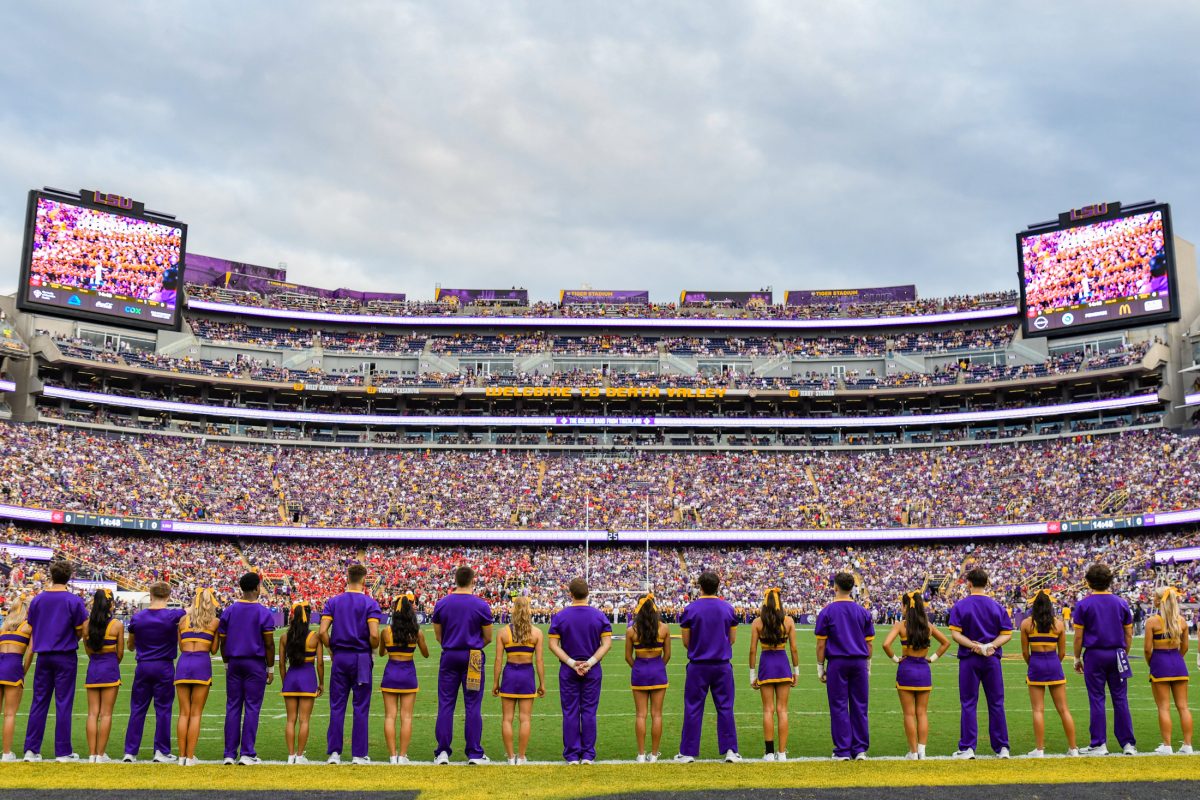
x: 114, y: 200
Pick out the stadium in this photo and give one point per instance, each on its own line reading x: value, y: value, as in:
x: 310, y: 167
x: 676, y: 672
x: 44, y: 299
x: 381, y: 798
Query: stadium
x: 307, y: 536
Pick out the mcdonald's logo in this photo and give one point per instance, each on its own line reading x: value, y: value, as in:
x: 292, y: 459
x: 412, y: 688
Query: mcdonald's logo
x: 1124, y: 309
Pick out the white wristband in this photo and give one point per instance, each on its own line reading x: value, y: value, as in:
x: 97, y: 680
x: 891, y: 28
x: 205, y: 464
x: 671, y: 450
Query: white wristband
x: 897, y: 659
x: 591, y: 662
x: 796, y: 672
x: 820, y: 670
x: 933, y: 658
x: 572, y: 663
x: 753, y: 675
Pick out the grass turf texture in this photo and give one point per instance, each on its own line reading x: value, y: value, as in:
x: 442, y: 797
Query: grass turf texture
x: 808, y: 711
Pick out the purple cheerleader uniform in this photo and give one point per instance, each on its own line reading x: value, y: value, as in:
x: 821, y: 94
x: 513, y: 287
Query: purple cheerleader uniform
x: 104, y: 670
x: 1045, y: 667
x: 195, y: 666
x: 518, y: 681
x: 773, y: 665
x: 301, y: 681
x: 400, y: 674
x: 12, y: 665
x: 1166, y: 662
x: 913, y: 673
x: 649, y: 671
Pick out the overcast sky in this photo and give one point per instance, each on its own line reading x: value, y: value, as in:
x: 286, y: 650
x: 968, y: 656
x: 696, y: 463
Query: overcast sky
x: 663, y: 146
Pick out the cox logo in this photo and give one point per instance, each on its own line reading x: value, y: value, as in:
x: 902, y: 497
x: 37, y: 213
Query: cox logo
x: 133, y: 310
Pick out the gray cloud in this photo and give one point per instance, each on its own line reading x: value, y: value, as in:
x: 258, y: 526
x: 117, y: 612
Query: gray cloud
x: 660, y: 146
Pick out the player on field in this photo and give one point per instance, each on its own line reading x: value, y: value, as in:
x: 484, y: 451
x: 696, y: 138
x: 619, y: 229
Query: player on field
x: 301, y: 678
x: 1103, y: 636
x: 152, y: 635
x: 775, y: 676
x: 709, y: 629
x: 56, y: 617
x: 399, y: 641
x: 1165, y: 648
x: 845, y: 633
x: 1043, y: 646
x: 104, y: 643
x: 580, y: 636
x: 462, y: 624
x: 247, y: 631
x: 519, y: 661
x: 914, y: 678
x: 350, y: 629
x: 981, y: 627
x: 647, y: 652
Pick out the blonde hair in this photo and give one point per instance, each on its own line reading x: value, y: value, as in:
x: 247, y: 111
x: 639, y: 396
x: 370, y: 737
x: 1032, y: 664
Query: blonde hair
x: 18, y: 612
x: 1168, y: 609
x: 203, y: 612
x: 522, y: 619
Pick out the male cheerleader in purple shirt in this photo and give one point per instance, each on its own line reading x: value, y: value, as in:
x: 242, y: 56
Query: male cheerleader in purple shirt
x: 248, y: 650
x: 1104, y: 629
x: 709, y: 626
x: 350, y: 629
x: 580, y: 636
x: 981, y: 627
x: 56, y: 616
x: 462, y: 624
x: 845, y: 636
x: 153, y: 634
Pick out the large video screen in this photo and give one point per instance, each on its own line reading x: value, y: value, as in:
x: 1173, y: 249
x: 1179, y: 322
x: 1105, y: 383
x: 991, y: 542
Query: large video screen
x: 1118, y: 271
x: 88, y: 261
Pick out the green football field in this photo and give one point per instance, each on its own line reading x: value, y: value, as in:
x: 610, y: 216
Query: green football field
x: 809, y: 716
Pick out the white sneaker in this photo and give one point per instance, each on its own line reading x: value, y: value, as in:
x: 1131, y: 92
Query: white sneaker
x: 652, y: 758
x: 67, y: 759
x: 641, y: 758
x: 1129, y: 750
x: 1164, y: 750
x: 8, y: 757
x: 522, y: 761
x: 291, y: 759
x: 1073, y: 752
x: 964, y: 755
x: 680, y: 758
x: 91, y: 759
x: 769, y: 757
x: 1002, y: 753
x: 334, y: 758
x: 920, y: 752
x: 193, y: 761
x: 476, y: 762
x: 442, y: 758
x: 228, y: 762
x: 861, y: 757
x: 781, y: 756
x: 1184, y: 750
x: 587, y: 762
x: 910, y: 756
x: 302, y: 759
x: 1036, y: 753
x: 1094, y: 750
x: 731, y: 757
x: 841, y: 758
x: 164, y: 758
x: 572, y: 763
x: 360, y: 761
x: 249, y: 761
x: 103, y: 759
x: 511, y: 761
x: 32, y: 757
x: 129, y: 758
x: 402, y: 760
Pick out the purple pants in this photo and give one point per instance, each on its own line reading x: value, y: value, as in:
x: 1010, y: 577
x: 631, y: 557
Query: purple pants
x: 974, y: 670
x: 152, y: 680
x: 580, y: 699
x: 245, y: 685
x: 848, y: 687
x: 349, y: 671
x: 701, y: 678
x: 1100, y: 670
x: 452, y: 674
x: 54, y: 675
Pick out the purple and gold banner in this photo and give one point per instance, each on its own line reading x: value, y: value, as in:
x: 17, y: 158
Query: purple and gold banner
x: 466, y: 297
x: 605, y: 297
x: 735, y: 299
x: 210, y: 271
x: 843, y: 297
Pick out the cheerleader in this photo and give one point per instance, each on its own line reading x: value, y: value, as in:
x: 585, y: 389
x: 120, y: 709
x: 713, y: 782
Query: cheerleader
x: 398, y: 642
x: 15, y: 658
x: 1166, y: 645
x: 647, y: 652
x: 914, y: 679
x: 302, y: 678
x: 1043, y: 646
x: 519, y: 645
x: 104, y: 642
x: 775, y: 676
x: 193, y: 672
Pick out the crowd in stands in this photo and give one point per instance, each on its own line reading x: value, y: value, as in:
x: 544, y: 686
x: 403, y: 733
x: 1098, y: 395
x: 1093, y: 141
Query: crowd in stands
x: 49, y: 466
